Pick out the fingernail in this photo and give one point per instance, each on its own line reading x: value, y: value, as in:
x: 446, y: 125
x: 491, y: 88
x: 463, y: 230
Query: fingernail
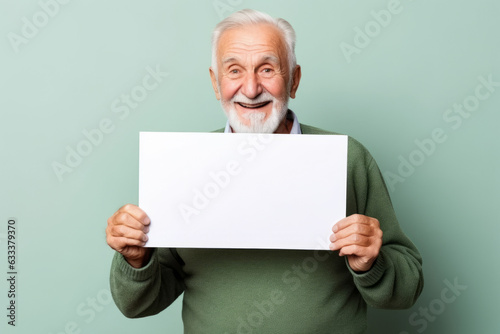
x: 335, y: 228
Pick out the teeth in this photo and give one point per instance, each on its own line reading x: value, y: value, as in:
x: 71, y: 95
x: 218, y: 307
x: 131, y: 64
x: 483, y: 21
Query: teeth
x: 253, y: 105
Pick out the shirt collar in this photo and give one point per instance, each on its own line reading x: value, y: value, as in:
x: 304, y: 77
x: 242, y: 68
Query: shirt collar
x: 290, y: 114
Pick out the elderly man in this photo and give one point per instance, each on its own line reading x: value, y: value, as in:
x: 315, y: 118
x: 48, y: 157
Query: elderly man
x: 371, y: 261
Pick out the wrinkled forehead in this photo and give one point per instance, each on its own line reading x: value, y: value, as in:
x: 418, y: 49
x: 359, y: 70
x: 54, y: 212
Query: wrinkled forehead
x: 252, y: 39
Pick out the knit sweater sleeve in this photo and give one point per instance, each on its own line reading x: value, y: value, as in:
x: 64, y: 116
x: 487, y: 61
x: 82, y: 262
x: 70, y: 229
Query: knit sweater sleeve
x: 147, y: 290
x: 396, y: 279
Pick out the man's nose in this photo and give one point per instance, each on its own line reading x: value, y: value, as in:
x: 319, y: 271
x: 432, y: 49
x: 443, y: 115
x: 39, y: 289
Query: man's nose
x: 251, y: 87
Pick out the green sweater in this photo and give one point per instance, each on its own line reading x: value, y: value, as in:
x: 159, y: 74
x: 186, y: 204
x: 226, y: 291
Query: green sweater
x: 229, y: 291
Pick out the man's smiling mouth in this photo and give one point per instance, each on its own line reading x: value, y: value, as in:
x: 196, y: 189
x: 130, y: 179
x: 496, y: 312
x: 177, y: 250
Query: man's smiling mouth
x: 254, y: 106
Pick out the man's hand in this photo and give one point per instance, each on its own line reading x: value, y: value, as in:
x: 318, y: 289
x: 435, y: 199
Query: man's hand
x: 126, y: 233
x: 360, y: 238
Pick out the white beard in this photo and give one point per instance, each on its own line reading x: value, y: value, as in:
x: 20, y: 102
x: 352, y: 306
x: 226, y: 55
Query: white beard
x: 256, y: 118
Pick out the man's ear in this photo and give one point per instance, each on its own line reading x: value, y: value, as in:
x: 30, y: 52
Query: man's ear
x: 297, y: 74
x: 214, y: 83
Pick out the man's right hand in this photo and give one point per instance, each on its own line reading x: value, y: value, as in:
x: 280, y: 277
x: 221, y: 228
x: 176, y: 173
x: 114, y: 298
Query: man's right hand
x: 126, y: 233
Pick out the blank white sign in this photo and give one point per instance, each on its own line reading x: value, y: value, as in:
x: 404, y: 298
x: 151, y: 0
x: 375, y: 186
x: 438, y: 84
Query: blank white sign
x: 236, y: 190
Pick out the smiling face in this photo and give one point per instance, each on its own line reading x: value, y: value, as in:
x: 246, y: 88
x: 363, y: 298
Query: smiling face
x: 253, y: 80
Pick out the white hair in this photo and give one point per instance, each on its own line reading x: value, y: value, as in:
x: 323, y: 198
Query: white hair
x: 248, y: 17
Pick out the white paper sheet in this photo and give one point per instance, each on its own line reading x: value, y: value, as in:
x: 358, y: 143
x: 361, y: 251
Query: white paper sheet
x: 234, y: 190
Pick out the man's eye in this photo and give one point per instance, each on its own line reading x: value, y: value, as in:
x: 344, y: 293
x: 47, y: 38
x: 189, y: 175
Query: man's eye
x: 234, y: 71
x: 268, y: 70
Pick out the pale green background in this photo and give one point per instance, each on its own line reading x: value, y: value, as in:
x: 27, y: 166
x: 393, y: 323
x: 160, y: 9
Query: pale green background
x: 395, y: 91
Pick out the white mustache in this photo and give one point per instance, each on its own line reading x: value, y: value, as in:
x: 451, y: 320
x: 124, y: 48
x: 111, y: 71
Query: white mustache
x: 263, y: 97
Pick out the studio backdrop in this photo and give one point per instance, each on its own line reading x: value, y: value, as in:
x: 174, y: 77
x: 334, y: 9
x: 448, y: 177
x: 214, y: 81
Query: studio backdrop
x: 417, y: 82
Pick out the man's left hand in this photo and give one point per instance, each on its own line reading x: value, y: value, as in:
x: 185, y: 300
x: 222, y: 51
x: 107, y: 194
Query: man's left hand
x: 360, y: 238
